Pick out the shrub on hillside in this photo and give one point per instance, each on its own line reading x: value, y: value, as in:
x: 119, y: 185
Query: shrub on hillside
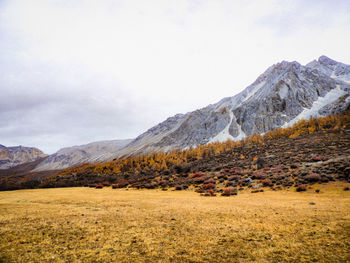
x: 230, y: 183
x: 197, y: 174
x: 199, y: 180
x: 313, y: 177
x: 224, y: 171
x: 258, y: 175
x: 266, y: 182
x: 209, y: 186
x: 122, y: 184
x: 287, y: 182
x: 182, y: 168
x: 301, y: 188
x: 318, y: 158
x: 210, y: 181
x: 178, y: 187
x: 229, y: 191
x: 236, y: 170
x: 233, y: 178
x: 257, y: 191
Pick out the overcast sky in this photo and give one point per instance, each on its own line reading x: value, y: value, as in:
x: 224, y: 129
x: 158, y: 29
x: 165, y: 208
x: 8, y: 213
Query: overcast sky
x: 73, y: 72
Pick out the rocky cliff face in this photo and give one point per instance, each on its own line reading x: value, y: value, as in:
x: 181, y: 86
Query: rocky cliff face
x: 285, y: 93
x: 88, y: 153
x: 13, y: 156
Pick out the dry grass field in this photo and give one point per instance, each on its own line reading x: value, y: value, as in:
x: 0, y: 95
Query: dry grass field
x: 105, y: 225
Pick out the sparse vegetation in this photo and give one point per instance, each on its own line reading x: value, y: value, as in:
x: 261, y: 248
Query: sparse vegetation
x: 283, y: 158
x: 106, y: 225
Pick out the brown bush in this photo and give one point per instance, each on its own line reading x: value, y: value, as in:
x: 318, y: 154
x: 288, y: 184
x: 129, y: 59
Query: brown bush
x: 318, y: 158
x: 228, y: 191
x: 224, y: 171
x: 236, y: 170
x: 313, y: 177
x: 122, y: 184
x: 301, y: 188
x: 210, y: 181
x: 197, y: 174
x: 209, y: 186
x: 258, y: 175
x: 266, y: 182
x: 178, y: 187
x: 233, y: 178
x: 199, y: 180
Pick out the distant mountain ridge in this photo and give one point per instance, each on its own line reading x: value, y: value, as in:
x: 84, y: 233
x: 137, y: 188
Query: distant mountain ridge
x: 87, y: 153
x: 16, y: 155
x: 285, y: 93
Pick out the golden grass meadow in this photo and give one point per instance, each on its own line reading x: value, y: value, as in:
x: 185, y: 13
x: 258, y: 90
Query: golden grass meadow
x: 107, y: 225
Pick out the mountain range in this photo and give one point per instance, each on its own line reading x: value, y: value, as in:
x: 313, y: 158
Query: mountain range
x: 89, y: 153
x: 13, y: 156
x: 284, y: 94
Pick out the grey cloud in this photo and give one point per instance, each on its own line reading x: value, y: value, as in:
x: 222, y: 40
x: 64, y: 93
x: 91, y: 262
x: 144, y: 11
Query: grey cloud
x: 292, y: 16
x: 81, y: 120
x: 120, y: 73
x: 33, y: 109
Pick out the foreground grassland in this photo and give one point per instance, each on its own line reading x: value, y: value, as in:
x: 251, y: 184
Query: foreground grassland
x: 105, y: 225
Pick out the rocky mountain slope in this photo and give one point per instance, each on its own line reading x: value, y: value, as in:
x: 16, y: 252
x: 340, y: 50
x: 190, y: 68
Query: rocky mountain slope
x: 88, y: 153
x: 13, y: 156
x: 285, y: 93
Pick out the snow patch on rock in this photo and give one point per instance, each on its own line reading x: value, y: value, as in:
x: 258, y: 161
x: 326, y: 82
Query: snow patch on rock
x: 241, y: 134
x: 224, y: 135
x: 283, y: 92
x: 330, y: 97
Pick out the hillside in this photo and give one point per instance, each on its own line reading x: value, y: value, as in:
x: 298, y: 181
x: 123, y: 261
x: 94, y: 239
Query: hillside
x: 311, y: 151
x: 13, y: 156
x: 87, y: 153
x: 20, y: 176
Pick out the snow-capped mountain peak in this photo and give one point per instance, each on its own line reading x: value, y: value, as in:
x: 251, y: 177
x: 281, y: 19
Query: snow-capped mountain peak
x: 284, y: 93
